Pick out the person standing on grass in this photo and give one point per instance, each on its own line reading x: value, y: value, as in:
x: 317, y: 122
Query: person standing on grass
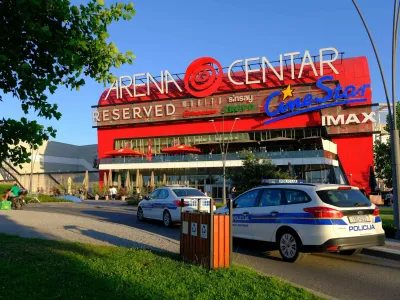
x: 15, y: 190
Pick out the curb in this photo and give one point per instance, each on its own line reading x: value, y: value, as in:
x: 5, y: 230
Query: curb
x: 46, y: 203
x: 387, y: 253
x: 114, y: 208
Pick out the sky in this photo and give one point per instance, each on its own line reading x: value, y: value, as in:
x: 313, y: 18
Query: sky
x: 169, y: 35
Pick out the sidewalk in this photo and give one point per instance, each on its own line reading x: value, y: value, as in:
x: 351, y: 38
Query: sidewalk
x: 391, y: 250
x: 56, y: 226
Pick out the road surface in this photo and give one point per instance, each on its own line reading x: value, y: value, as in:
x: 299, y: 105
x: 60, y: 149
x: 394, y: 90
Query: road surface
x: 361, y: 277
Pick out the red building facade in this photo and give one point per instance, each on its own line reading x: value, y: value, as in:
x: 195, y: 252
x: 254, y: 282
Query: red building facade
x: 288, y: 110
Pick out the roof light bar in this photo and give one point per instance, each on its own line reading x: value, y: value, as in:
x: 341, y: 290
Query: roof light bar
x: 282, y: 181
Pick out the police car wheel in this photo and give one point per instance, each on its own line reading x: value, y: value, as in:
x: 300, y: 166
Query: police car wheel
x: 350, y: 252
x: 167, y: 219
x: 139, y: 214
x: 289, y: 247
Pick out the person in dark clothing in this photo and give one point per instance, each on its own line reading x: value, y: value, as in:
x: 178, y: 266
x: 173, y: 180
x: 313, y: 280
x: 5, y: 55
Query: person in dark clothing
x: 233, y: 193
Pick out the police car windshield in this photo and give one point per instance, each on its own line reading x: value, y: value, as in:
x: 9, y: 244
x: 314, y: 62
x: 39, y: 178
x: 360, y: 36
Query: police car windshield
x: 343, y: 198
x: 187, y: 192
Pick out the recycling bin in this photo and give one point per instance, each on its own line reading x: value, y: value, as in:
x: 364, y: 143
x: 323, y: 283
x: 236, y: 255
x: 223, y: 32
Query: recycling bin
x: 205, y: 239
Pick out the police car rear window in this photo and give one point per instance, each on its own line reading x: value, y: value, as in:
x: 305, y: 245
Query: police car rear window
x: 187, y: 192
x: 343, y: 198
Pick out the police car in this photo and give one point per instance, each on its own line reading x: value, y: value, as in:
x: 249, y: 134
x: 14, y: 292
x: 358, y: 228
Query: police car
x: 165, y: 203
x: 299, y: 217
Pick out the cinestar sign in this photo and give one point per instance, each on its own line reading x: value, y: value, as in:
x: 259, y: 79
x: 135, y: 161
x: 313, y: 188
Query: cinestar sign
x: 203, y: 76
x: 333, y: 97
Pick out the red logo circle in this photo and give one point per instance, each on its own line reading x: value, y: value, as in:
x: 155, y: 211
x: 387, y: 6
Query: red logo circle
x: 203, y: 77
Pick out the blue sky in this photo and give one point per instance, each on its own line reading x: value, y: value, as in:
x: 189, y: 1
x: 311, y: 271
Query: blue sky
x: 169, y: 35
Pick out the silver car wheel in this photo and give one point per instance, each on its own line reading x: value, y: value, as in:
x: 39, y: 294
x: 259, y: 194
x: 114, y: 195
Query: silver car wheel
x: 288, y: 245
x: 140, y: 215
x: 167, y: 219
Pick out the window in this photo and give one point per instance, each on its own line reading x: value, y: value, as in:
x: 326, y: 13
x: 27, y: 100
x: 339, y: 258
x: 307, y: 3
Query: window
x: 271, y: 197
x: 247, y: 200
x: 154, y: 195
x: 296, y: 197
x: 343, y: 198
x: 187, y: 192
x: 163, y: 194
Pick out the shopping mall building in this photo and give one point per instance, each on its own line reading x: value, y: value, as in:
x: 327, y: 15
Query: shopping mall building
x: 310, y: 114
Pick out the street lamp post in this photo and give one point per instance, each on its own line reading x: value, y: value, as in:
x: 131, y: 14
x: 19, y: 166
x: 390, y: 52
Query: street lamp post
x: 224, y: 152
x: 33, y: 159
x: 394, y: 133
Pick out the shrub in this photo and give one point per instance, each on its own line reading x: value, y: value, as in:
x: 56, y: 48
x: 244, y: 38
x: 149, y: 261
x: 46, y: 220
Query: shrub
x: 55, y: 191
x: 390, y: 230
x: 134, y: 200
x: 122, y: 192
x: 47, y: 198
x: 96, y: 189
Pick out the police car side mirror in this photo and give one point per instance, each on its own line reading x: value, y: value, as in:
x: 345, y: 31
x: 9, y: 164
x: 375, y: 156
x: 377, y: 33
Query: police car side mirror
x: 146, y: 198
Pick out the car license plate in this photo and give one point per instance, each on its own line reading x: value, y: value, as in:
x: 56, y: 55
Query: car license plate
x: 359, y: 219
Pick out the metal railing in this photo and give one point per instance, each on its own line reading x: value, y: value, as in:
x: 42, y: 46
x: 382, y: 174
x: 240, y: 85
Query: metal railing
x: 212, y: 157
x: 9, y: 169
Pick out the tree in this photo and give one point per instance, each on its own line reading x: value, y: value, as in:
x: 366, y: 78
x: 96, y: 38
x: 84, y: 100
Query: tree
x: 383, y: 162
x: 253, y: 171
x: 383, y: 154
x: 45, y: 44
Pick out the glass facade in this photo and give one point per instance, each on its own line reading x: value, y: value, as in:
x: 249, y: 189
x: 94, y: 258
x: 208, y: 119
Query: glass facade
x: 210, y: 179
x: 280, y: 145
x: 237, y: 140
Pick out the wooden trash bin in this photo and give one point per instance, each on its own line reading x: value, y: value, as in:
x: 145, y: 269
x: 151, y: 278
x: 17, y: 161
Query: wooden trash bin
x: 203, y: 242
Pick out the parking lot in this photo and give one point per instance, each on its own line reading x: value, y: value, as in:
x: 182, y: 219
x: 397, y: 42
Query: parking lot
x: 360, y: 277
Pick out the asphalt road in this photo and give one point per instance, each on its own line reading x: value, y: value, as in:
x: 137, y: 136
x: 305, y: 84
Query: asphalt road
x: 359, y: 277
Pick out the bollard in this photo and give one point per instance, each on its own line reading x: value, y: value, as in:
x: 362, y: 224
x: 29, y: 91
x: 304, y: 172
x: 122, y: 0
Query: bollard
x: 230, y: 230
x: 182, y: 204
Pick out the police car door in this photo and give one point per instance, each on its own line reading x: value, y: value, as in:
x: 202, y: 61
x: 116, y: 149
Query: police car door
x: 149, y: 208
x: 242, y: 213
x: 159, y: 203
x: 266, y: 214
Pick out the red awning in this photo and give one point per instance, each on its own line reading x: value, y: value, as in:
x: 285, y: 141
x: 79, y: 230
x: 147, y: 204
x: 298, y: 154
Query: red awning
x: 124, y: 152
x: 180, y: 149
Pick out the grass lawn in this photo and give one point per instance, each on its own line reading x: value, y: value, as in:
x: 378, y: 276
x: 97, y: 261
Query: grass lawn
x: 41, y: 269
x: 218, y: 205
x: 3, y: 187
x: 386, y: 214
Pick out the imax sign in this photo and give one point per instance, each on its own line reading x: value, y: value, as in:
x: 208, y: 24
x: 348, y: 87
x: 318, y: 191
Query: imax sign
x: 328, y: 120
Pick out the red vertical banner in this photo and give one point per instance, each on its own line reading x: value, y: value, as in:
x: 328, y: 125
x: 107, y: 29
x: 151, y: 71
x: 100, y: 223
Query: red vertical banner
x: 149, y: 153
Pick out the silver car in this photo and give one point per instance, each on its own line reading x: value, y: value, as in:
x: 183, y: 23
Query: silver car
x: 165, y: 203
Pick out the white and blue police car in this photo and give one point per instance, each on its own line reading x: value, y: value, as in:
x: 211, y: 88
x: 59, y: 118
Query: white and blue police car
x: 299, y: 218
x: 165, y: 203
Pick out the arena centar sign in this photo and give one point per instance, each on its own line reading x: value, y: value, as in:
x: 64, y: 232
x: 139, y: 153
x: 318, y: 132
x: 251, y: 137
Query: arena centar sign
x: 333, y: 97
x: 204, y: 76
